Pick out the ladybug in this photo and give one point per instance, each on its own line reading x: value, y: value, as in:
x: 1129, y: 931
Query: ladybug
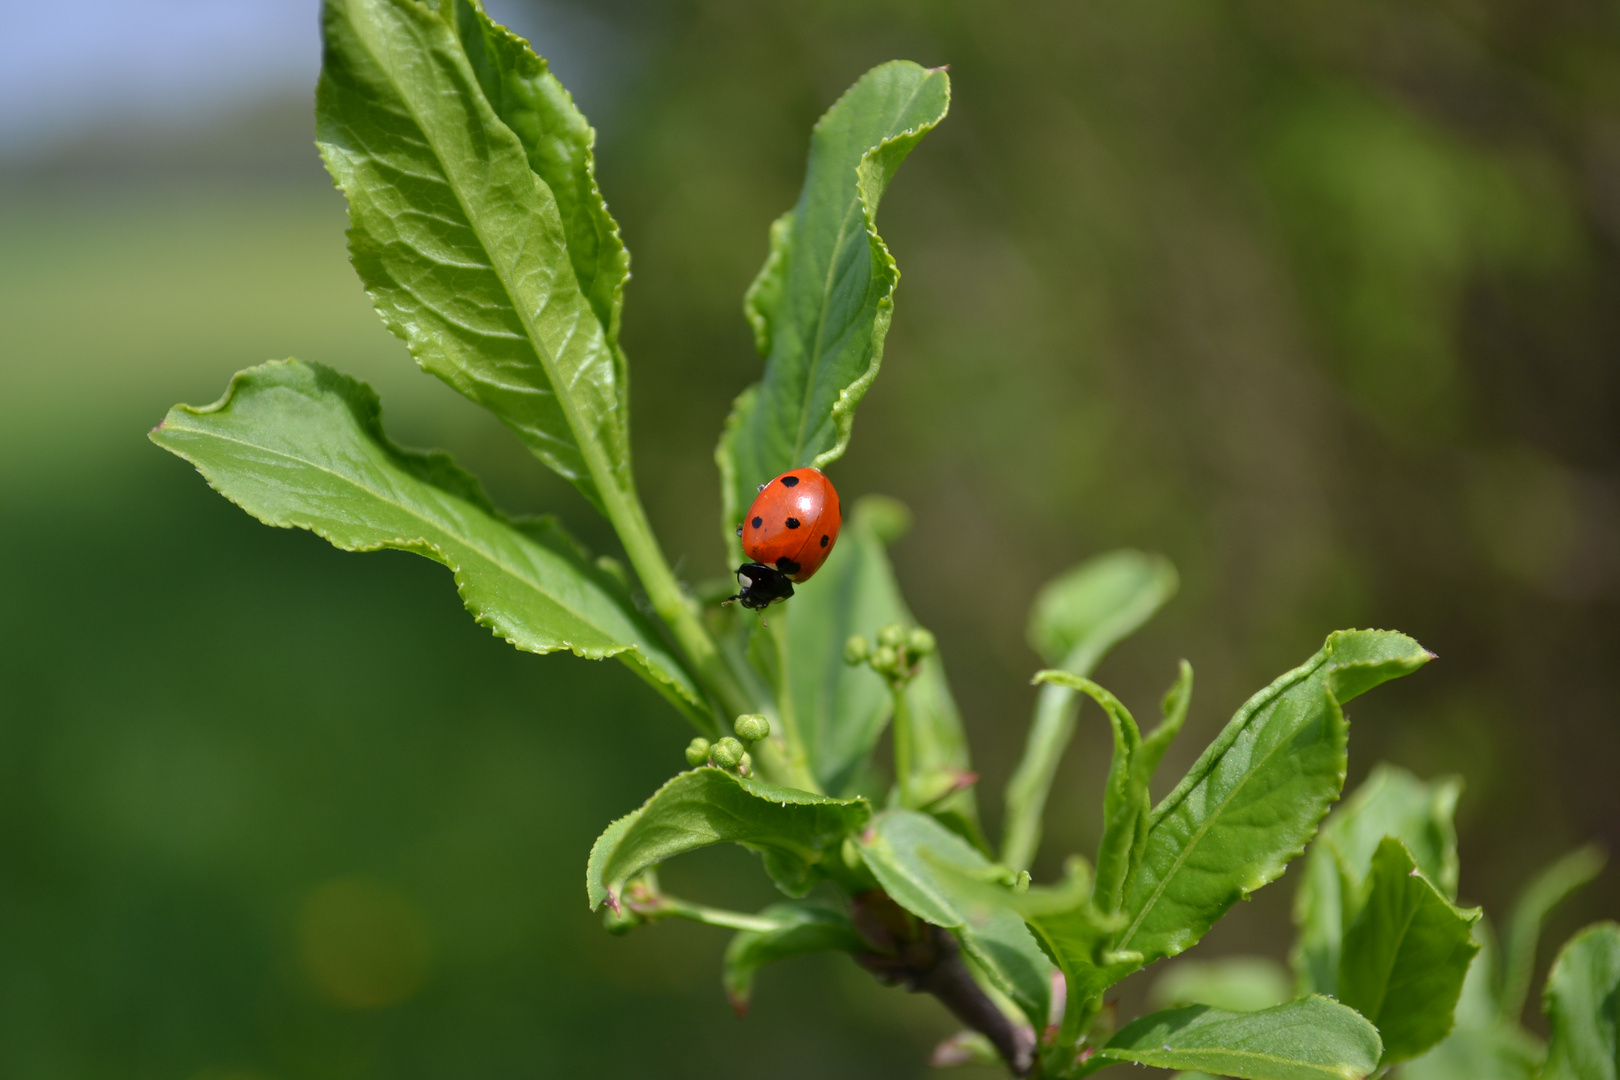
x: 790, y: 530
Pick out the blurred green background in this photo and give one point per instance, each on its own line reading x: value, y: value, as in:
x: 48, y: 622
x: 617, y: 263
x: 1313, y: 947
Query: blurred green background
x: 1320, y: 301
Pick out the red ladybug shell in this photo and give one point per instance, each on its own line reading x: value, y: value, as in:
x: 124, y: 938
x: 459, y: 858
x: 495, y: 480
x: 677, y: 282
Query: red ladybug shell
x: 792, y: 523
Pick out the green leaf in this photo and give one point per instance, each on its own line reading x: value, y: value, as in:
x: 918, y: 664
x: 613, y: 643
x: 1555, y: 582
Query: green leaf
x: 1391, y: 802
x: 1080, y: 615
x: 1477, y: 1005
x: 821, y: 306
x: 461, y: 245
x: 1075, y: 933
x: 1490, y: 1053
x: 1406, y: 955
x: 1550, y: 888
x: 1069, y: 928
x: 922, y: 865
x: 1582, y: 1001
x: 842, y: 709
x: 801, y: 929
x: 793, y: 830
x: 1313, y: 1038
x: 1076, y: 619
x: 1233, y: 983
x: 558, y: 141
x: 1255, y: 796
x: 299, y: 445
x: 1125, y: 801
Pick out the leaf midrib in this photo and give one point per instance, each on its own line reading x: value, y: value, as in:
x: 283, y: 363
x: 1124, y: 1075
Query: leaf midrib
x: 588, y: 447
x: 857, y: 204
x: 1394, y: 956
x: 1254, y: 1055
x: 1198, y: 836
x: 410, y: 512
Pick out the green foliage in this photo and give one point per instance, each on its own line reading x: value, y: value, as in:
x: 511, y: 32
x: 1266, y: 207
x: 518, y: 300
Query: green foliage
x: 1486, y: 1053
x: 1254, y: 797
x: 1232, y: 983
x: 533, y: 103
x: 1405, y: 955
x: 298, y: 445
x: 482, y: 238
x: 1583, y: 1007
x: 1314, y: 1038
x: 801, y: 929
x: 841, y: 710
x: 797, y: 833
x: 1077, y: 618
x: 1392, y: 802
x: 821, y: 305
x: 1126, y: 803
x: 929, y: 871
x: 460, y: 243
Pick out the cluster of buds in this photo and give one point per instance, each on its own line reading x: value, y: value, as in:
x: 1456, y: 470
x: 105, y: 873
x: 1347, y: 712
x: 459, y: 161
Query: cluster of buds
x: 898, y: 655
x: 730, y: 753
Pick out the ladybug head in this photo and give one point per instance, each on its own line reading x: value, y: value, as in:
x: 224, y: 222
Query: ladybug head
x: 760, y: 586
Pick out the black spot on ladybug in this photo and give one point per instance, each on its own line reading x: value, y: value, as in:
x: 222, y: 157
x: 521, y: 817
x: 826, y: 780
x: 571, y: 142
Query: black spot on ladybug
x: 758, y: 522
x: 739, y: 531
x: 790, y: 481
x: 793, y: 523
x: 823, y: 541
x: 787, y: 565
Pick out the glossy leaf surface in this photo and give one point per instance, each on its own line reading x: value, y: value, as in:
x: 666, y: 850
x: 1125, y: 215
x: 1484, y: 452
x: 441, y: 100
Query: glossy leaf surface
x: 462, y: 247
x: 558, y: 141
x: 821, y: 305
x: 1583, y: 1007
x: 1077, y: 618
x: 1406, y: 955
x: 299, y: 445
x: 1391, y: 802
x: 801, y: 929
x: 794, y: 831
x: 929, y: 870
x: 1255, y: 796
x: 1313, y: 1038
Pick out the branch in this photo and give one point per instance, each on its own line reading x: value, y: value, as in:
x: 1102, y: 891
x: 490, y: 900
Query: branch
x: 926, y: 959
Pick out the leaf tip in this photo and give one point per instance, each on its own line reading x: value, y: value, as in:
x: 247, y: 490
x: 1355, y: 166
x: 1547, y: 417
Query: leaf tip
x: 739, y: 1003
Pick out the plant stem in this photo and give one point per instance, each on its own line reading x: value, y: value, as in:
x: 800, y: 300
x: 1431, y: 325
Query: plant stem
x: 1049, y: 734
x: 950, y: 981
x: 926, y: 959
x: 712, y: 916
x: 901, y: 726
x: 629, y: 520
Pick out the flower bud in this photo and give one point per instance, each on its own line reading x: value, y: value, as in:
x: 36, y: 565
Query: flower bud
x: 893, y: 635
x: 746, y: 765
x: 697, y: 751
x: 726, y: 753
x: 920, y: 642
x: 884, y: 660
x: 752, y: 727
x: 621, y: 922
x: 856, y: 650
